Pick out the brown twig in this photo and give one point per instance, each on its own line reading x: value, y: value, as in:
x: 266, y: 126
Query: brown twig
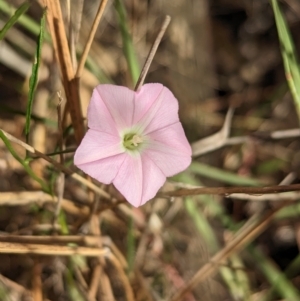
x: 90, y: 38
x: 152, y: 53
x: 229, y: 190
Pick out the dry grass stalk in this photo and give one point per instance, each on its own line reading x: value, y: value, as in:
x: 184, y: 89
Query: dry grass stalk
x: 152, y: 53
x: 37, y: 294
x: 90, y: 38
x: 90, y: 241
x: 50, y: 250
x: 62, y: 54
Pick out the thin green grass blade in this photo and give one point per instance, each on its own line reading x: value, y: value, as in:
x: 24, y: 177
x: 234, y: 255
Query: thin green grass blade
x: 128, y: 48
x: 24, y: 20
x: 221, y: 175
x: 18, y: 13
x: 34, y: 76
x: 24, y: 163
x: 289, y: 212
x: 97, y: 71
x: 201, y: 224
x: 240, y: 284
x: 62, y: 220
x: 293, y: 268
x: 71, y: 287
x: 291, y: 271
x: 4, y: 293
x: 275, y: 277
x: 289, y: 57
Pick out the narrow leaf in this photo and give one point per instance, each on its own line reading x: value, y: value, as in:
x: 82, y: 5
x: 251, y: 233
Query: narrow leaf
x: 221, y: 175
x: 128, y: 48
x: 274, y: 276
x: 34, y: 75
x: 289, y: 57
x: 18, y: 13
x: 28, y: 23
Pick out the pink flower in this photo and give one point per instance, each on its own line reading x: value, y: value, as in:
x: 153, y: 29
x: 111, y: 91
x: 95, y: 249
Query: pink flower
x: 135, y: 140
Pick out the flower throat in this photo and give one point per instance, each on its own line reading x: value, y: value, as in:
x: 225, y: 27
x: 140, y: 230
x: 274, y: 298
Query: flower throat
x: 132, y: 141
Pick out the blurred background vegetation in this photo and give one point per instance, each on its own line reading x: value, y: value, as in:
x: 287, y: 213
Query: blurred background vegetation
x: 220, y: 58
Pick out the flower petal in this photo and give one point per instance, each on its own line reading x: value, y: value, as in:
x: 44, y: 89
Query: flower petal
x: 138, y: 179
x: 97, y: 145
x: 99, y: 117
x: 169, y: 149
x: 144, y: 99
x: 103, y: 170
x: 119, y: 102
x: 163, y: 112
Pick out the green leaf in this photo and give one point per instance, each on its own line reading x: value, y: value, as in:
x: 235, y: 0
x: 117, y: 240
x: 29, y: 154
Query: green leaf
x: 289, y: 57
x: 221, y: 175
x: 71, y: 286
x: 24, y: 20
x: 18, y: 13
x: 202, y: 224
x: 274, y: 276
x: 270, y: 166
x: 34, y: 75
x: 128, y: 48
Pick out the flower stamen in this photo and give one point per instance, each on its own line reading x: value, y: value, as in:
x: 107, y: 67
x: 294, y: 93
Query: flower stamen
x: 132, y: 141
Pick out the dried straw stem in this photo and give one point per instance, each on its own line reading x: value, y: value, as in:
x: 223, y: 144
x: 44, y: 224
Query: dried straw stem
x: 63, y: 57
x: 152, y: 53
x: 50, y: 250
x: 90, y: 38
